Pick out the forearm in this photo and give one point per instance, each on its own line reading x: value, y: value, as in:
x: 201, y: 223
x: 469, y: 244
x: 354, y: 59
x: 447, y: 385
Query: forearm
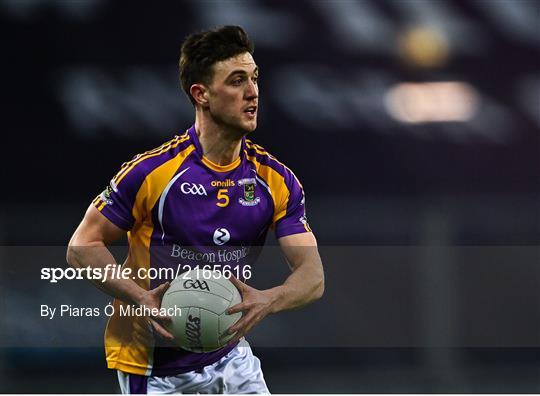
x: 97, y: 255
x: 302, y: 287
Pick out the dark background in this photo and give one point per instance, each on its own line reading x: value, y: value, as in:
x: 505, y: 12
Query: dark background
x: 429, y: 231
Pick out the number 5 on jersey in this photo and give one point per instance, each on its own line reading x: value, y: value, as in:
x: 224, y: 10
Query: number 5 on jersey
x: 223, y: 198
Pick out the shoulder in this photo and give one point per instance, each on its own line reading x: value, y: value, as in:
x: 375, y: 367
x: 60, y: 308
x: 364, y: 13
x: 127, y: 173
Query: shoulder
x: 143, y: 164
x: 267, y: 163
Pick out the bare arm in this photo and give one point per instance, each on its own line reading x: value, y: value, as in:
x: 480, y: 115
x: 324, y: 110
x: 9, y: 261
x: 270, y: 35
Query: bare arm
x: 306, y: 283
x: 88, y: 248
x: 303, y: 286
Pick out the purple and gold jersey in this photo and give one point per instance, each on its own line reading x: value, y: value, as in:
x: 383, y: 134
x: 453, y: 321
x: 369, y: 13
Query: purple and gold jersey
x: 180, y: 209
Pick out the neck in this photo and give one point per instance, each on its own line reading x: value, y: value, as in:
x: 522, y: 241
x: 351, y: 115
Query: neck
x: 219, y: 145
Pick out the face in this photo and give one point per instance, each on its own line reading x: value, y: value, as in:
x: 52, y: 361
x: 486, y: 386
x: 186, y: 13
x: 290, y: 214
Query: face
x: 233, y: 94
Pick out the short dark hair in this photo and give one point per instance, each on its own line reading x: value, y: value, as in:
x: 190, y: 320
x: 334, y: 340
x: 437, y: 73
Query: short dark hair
x: 200, y: 51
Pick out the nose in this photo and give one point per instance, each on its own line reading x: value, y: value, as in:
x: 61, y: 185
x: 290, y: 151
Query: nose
x: 252, y: 91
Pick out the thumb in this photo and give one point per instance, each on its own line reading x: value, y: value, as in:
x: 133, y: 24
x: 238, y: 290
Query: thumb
x: 161, y: 289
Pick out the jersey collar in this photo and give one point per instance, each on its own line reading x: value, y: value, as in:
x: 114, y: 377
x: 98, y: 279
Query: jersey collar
x: 218, y: 168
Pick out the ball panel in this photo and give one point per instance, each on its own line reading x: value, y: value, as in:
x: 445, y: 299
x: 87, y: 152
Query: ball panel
x: 191, y: 337
x: 204, y: 303
x: 190, y: 298
x: 209, y: 331
x: 226, y: 321
x: 177, y: 323
x: 219, y: 286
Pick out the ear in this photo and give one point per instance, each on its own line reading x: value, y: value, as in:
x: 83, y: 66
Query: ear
x: 199, y: 92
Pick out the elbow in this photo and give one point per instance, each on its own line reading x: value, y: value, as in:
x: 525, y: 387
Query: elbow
x: 319, y: 290
x: 80, y: 248
x: 74, y: 250
x: 71, y: 254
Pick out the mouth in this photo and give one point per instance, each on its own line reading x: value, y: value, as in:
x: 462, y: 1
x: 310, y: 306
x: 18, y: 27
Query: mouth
x: 251, y: 111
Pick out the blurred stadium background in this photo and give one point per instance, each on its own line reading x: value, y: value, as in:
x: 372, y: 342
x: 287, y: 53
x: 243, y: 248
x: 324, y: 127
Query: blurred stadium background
x: 414, y: 126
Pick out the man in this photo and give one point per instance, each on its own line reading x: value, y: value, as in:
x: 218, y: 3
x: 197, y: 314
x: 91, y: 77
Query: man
x: 210, y: 188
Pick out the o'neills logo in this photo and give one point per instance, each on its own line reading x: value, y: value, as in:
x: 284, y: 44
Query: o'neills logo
x: 223, y: 183
x: 193, y: 331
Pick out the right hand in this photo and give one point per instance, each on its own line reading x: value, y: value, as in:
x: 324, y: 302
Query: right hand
x: 152, y: 299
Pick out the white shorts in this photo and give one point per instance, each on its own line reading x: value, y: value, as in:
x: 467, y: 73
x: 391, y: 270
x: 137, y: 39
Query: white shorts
x: 237, y: 372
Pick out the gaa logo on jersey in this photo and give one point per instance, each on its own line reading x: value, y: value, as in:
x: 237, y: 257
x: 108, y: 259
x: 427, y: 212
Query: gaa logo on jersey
x: 193, y: 188
x: 249, y: 198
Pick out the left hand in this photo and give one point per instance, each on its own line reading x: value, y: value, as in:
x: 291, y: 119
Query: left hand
x: 255, y: 306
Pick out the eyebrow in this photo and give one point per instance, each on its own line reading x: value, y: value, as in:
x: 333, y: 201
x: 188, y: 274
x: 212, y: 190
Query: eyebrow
x: 241, y: 71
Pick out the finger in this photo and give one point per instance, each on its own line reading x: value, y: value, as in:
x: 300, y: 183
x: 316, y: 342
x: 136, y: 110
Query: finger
x: 245, y: 328
x: 162, y: 318
x: 225, y: 335
x: 238, y: 336
x: 160, y: 330
x: 243, y: 332
x: 238, y: 326
x: 241, y: 286
x: 161, y: 289
x: 235, y: 339
x: 237, y: 308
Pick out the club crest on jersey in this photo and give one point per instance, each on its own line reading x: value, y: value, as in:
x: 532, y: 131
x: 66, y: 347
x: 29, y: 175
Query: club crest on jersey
x: 106, y: 195
x: 249, y: 198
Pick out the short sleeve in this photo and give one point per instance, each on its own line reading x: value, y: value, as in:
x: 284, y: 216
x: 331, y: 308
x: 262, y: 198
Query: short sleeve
x: 292, y: 213
x: 118, y: 201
